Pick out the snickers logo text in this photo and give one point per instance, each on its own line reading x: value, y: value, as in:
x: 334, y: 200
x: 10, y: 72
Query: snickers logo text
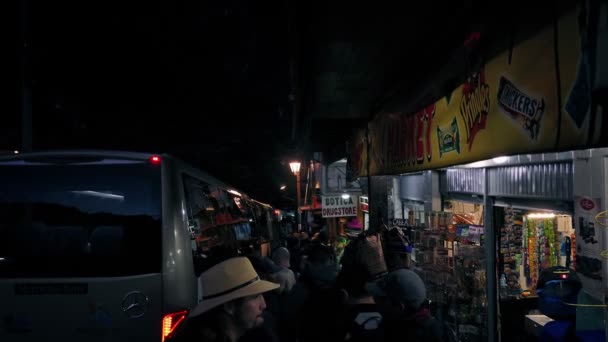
x: 525, y: 109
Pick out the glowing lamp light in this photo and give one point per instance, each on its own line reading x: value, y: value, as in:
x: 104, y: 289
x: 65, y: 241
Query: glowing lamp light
x: 155, y: 160
x: 283, y: 187
x: 16, y: 152
x: 295, y: 167
x: 564, y: 276
x: 345, y: 196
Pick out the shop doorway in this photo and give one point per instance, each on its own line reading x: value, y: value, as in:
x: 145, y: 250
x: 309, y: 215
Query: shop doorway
x: 529, y: 241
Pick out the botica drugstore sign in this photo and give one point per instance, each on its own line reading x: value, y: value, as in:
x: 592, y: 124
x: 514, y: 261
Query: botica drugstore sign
x: 339, y: 206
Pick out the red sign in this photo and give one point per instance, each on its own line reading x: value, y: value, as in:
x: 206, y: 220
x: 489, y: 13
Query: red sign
x: 364, y: 203
x: 587, y: 203
x: 315, y: 202
x: 475, y: 105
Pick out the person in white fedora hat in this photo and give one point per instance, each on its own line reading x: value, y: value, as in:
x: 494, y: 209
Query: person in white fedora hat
x: 232, y: 303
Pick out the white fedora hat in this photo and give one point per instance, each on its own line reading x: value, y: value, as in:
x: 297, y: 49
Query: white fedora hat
x: 231, y: 279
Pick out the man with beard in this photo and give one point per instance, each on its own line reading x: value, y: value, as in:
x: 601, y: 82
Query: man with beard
x: 232, y: 303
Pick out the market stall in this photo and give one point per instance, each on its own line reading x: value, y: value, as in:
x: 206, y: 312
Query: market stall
x: 530, y: 242
x: 448, y: 251
x: 498, y: 140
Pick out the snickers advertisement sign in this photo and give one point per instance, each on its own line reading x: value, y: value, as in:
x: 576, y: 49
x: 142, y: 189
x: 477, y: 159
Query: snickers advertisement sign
x: 523, y: 108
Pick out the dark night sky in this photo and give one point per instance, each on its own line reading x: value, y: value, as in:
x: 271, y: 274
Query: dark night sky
x: 207, y: 81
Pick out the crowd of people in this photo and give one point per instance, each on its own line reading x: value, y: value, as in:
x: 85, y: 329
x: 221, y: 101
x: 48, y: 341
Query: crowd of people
x: 305, y: 292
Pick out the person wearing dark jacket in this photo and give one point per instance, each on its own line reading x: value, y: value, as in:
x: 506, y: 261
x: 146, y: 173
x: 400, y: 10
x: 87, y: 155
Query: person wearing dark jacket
x: 402, y: 298
x: 361, y: 320
x: 315, y: 301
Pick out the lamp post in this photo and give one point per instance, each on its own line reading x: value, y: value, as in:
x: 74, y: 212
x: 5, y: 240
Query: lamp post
x: 295, y: 169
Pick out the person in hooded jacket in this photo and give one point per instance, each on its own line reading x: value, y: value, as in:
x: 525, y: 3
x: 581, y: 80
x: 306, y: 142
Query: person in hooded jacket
x: 314, y: 302
x: 361, y: 320
x: 401, y: 296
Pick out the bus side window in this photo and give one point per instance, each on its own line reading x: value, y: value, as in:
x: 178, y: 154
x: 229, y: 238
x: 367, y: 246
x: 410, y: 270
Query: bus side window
x: 200, y: 211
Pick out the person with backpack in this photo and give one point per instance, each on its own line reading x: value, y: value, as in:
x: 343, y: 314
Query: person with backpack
x: 361, y: 320
x: 362, y: 262
x: 314, y: 301
x: 401, y: 296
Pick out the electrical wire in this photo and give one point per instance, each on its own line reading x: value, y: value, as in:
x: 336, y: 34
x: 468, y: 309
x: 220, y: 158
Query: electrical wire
x: 587, y: 305
x: 558, y: 78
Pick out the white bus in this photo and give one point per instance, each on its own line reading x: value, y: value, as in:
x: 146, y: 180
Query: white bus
x: 102, y: 246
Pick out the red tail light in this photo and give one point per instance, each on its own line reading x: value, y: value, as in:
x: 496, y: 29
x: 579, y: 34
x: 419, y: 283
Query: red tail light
x: 155, y: 160
x: 171, y: 322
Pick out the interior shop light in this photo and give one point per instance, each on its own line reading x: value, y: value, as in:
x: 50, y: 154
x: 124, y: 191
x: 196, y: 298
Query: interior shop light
x: 478, y: 164
x: 541, y: 215
x: 500, y: 160
x: 488, y: 162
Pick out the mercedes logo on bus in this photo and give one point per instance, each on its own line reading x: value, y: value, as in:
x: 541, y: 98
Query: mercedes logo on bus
x: 135, y: 304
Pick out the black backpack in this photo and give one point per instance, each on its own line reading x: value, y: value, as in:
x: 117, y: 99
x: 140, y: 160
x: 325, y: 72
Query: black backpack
x: 433, y: 329
x: 367, y: 326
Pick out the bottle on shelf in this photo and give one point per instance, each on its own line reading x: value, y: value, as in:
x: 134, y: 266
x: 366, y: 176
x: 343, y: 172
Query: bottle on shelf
x: 503, y: 286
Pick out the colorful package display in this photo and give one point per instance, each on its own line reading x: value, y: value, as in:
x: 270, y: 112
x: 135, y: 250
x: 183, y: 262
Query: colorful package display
x: 511, y: 240
x: 542, y: 247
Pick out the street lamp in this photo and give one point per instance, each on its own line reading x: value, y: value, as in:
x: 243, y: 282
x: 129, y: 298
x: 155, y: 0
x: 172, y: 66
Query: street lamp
x: 295, y: 169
